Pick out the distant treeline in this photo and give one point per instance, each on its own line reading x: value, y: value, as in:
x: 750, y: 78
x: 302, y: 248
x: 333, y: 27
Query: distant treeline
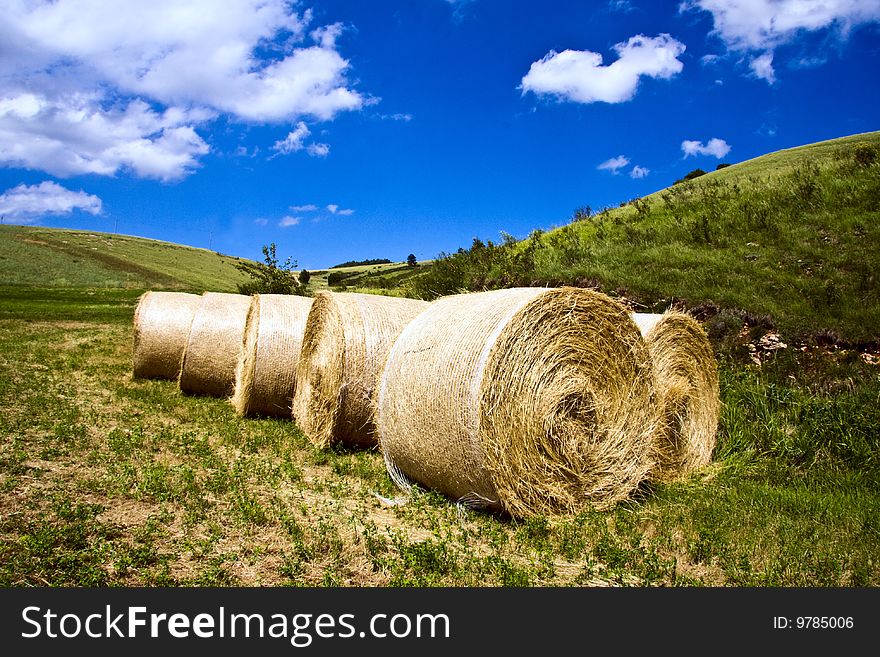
x: 361, y: 263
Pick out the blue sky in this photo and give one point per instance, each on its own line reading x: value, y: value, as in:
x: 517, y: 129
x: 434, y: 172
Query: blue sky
x: 344, y: 130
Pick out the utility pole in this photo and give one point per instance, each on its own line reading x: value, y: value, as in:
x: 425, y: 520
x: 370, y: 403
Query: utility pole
x: 210, y: 239
x: 115, y: 224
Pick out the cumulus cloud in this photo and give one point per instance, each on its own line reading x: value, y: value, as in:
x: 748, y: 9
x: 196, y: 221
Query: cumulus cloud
x: 249, y: 60
x: 318, y: 150
x: 309, y: 207
x: 614, y: 165
x: 579, y: 76
x: 639, y: 172
x: 764, y: 25
x: 714, y: 147
x: 335, y: 209
x: 67, y: 63
x: 288, y: 221
x: 26, y: 204
x: 72, y: 136
x: 762, y: 67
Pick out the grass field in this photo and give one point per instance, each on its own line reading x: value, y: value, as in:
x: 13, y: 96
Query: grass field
x: 108, y: 480
x: 52, y: 257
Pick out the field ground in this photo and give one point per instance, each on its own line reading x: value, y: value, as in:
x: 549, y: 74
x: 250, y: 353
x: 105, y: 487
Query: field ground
x: 107, y: 480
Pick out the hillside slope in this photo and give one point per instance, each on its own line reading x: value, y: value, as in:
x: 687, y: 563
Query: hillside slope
x: 51, y: 257
x: 790, y: 240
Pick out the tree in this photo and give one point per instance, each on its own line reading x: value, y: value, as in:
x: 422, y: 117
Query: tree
x: 270, y: 277
x: 411, y: 260
x: 696, y: 173
x: 304, y: 277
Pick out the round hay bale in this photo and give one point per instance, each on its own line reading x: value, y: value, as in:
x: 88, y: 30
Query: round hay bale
x: 214, y: 344
x: 526, y: 400
x: 687, y: 392
x: 346, y: 342
x: 264, y: 377
x: 161, y: 328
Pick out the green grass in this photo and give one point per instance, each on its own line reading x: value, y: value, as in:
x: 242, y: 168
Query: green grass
x: 790, y: 238
x: 51, y: 257
x: 107, y: 480
x: 385, y: 278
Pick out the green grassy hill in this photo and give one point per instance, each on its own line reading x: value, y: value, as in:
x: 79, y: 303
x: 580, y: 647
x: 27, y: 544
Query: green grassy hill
x: 788, y: 240
x: 52, y: 257
x: 387, y: 278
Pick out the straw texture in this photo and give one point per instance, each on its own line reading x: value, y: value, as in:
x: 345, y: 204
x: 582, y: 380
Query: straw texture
x: 214, y: 345
x: 687, y: 387
x: 264, y: 378
x: 161, y: 327
x: 525, y: 400
x: 345, y: 345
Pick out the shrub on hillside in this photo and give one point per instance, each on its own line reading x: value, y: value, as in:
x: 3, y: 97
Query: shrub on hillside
x: 270, y: 276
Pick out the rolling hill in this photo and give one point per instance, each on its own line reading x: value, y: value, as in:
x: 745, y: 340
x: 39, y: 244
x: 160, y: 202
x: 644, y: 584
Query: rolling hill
x: 788, y: 240
x: 53, y: 257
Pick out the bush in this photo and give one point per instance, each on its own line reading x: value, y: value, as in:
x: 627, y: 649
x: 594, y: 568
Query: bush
x: 270, y: 278
x: 865, y: 154
x: 696, y: 173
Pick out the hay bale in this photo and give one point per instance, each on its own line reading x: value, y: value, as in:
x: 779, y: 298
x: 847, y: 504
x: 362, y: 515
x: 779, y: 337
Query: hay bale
x: 264, y: 377
x: 687, y: 392
x: 214, y: 344
x: 346, y: 342
x: 527, y: 400
x: 161, y: 327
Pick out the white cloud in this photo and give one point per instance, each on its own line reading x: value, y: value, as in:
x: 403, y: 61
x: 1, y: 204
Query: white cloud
x: 579, y: 76
x: 397, y: 116
x: 624, y: 6
x: 764, y: 25
x: 74, y: 135
x: 261, y: 221
x: 614, y: 165
x: 318, y: 150
x: 309, y: 207
x: 288, y: 221
x: 67, y: 65
x: 294, y: 140
x: 715, y: 147
x: 248, y: 60
x: 25, y: 204
x: 639, y: 172
x: 762, y: 67
x: 808, y: 62
x: 334, y: 209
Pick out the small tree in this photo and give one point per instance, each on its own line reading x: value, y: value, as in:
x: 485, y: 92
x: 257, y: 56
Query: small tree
x: 304, y: 277
x: 271, y: 277
x: 411, y: 260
